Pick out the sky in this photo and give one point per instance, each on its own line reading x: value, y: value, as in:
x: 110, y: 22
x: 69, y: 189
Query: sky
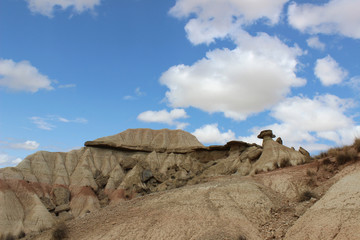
x: 76, y: 70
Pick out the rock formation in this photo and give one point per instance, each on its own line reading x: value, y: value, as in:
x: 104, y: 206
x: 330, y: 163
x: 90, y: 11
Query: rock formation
x: 276, y: 155
x: 336, y: 215
x: 148, y: 140
x: 48, y: 186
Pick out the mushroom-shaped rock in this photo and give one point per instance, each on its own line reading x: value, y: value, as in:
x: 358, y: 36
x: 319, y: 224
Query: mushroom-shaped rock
x: 275, y: 155
x: 266, y: 134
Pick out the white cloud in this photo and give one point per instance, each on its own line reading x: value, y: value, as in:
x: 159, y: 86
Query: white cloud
x: 252, y: 138
x: 137, y: 93
x: 305, y: 122
x: 42, y: 123
x: 237, y: 82
x: 46, y: 123
x: 323, y: 113
x: 7, y: 160
x: 335, y: 17
x: 128, y: 97
x: 22, y: 76
x: 16, y: 161
x: 46, y: 7
x: 27, y: 145
x: 65, y: 120
x: 314, y: 42
x: 329, y: 72
x: 354, y: 83
x: 164, y: 116
x: 211, y: 134
x: 67, y: 86
x: 221, y: 18
x: 79, y: 120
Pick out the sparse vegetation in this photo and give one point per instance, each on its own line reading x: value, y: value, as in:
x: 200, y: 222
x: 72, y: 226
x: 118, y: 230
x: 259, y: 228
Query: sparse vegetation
x: 343, y: 158
x: 322, y: 155
x: 311, y: 182
x: 257, y: 171
x: 357, y: 144
x: 326, y: 161
x: 21, y: 234
x: 9, y: 236
x: 342, y: 155
x: 284, y: 162
x: 60, y: 231
x: 242, y: 237
x: 310, y: 173
x: 306, y: 196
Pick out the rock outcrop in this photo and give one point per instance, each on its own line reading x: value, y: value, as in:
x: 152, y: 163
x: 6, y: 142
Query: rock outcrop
x: 46, y: 186
x: 276, y: 155
x: 211, y: 211
x: 148, y: 140
x: 336, y: 215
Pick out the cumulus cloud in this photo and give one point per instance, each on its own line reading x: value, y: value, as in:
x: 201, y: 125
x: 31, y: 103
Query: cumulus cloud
x: 7, y: 160
x: 314, y: 42
x: 354, y: 83
x: 47, y: 123
x: 210, y: 133
x: 335, y: 17
x: 238, y: 82
x: 22, y: 76
x: 166, y: 117
x: 221, y: 18
x: 46, y: 7
x: 304, y: 121
x: 27, y: 145
x: 329, y: 72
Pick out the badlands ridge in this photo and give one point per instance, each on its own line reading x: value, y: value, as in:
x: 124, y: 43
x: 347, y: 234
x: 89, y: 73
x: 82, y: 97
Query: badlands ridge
x: 164, y: 184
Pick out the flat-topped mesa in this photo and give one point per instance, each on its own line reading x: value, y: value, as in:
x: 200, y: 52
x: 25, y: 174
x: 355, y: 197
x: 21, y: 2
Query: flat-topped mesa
x: 276, y: 155
x: 148, y: 140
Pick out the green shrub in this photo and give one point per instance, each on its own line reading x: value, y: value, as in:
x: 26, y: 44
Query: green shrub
x: 60, y: 231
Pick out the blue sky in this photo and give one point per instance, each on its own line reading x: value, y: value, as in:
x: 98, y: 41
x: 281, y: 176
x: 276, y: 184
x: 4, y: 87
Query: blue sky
x: 77, y: 70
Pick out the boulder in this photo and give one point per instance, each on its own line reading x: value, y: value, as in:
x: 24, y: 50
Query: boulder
x: 304, y: 152
x: 62, y: 208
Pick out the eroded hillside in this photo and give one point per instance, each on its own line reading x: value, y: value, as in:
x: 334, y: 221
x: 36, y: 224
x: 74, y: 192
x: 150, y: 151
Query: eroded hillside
x: 49, y: 187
